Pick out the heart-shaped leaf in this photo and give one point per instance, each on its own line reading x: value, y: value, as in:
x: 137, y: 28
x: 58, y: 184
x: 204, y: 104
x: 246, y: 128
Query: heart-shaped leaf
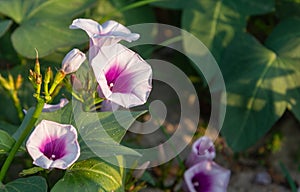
x: 262, y: 82
x: 29, y: 184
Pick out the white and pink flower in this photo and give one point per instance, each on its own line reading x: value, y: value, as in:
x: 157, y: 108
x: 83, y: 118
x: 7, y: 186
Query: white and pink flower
x: 124, y: 78
x: 53, y: 145
x: 202, y: 149
x: 206, y: 176
x: 109, y: 33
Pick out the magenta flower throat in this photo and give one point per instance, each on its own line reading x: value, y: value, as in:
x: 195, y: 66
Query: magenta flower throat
x: 202, y: 182
x: 53, y: 148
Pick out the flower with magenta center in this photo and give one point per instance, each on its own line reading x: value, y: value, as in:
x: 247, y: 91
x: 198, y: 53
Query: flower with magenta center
x: 53, y: 145
x: 72, y: 61
x: 109, y: 33
x: 124, y: 78
x: 202, y: 149
x: 206, y: 176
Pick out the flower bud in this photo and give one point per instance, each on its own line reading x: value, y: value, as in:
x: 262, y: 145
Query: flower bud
x: 72, y: 61
x: 18, y: 82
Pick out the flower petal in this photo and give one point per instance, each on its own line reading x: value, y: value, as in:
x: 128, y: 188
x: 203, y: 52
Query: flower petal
x: 53, y: 145
x: 115, y: 32
x: 50, y: 108
x: 123, y: 76
x: 90, y: 26
x: 110, y: 33
x: 206, y: 176
x: 202, y: 149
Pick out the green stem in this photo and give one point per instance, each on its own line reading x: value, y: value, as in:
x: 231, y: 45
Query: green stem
x: 17, y: 104
x: 27, y: 130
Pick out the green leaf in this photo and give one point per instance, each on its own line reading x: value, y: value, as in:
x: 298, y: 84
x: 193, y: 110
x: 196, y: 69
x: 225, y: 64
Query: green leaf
x: 6, y: 142
x: 216, y: 23
x: 18, y: 10
x: 31, y: 171
x: 29, y: 184
x: 261, y: 83
x: 287, y: 8
x: 92, y: 175
x: 9, y: 128
x: 36, y: 34
x: 4, y: 26
x: 285, y: 41
x: 44, y: 24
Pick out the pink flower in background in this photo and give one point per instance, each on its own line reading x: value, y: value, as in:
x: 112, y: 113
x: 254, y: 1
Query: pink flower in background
x: 72, y: 61
x: 202, y: 149
x: 53, y: 145
x: 50, y: 107
x: 124, y: 78
x: 109, y: 33
x: 206, y: 176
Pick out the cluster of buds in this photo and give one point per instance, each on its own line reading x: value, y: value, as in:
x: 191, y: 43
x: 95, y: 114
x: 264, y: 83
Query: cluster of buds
x: 12, y: 86
x: 70, y: 64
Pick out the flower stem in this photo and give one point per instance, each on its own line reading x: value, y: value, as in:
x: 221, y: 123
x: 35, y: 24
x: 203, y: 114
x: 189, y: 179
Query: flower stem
x: 17, y: 104
x: 27, y: 130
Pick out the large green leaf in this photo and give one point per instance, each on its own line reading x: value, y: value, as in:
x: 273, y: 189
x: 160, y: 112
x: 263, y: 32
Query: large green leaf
x: 261, y: 83
x: 44, y: 24
x: 44, y: 35
x: 6, y: 142
x: 216, y: 23
x: 92, y: 175
x: 29, y: 184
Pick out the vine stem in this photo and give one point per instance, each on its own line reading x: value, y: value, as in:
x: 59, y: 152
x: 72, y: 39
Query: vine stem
x: 27, y: 130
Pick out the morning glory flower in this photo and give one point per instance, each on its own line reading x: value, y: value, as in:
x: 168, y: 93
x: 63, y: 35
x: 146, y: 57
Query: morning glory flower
x: 72, y: 61
x: 206, y: 176
x: 124, y: 78
x: 53, y: 145
x: 109, y: 33
x: 202, y: 149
